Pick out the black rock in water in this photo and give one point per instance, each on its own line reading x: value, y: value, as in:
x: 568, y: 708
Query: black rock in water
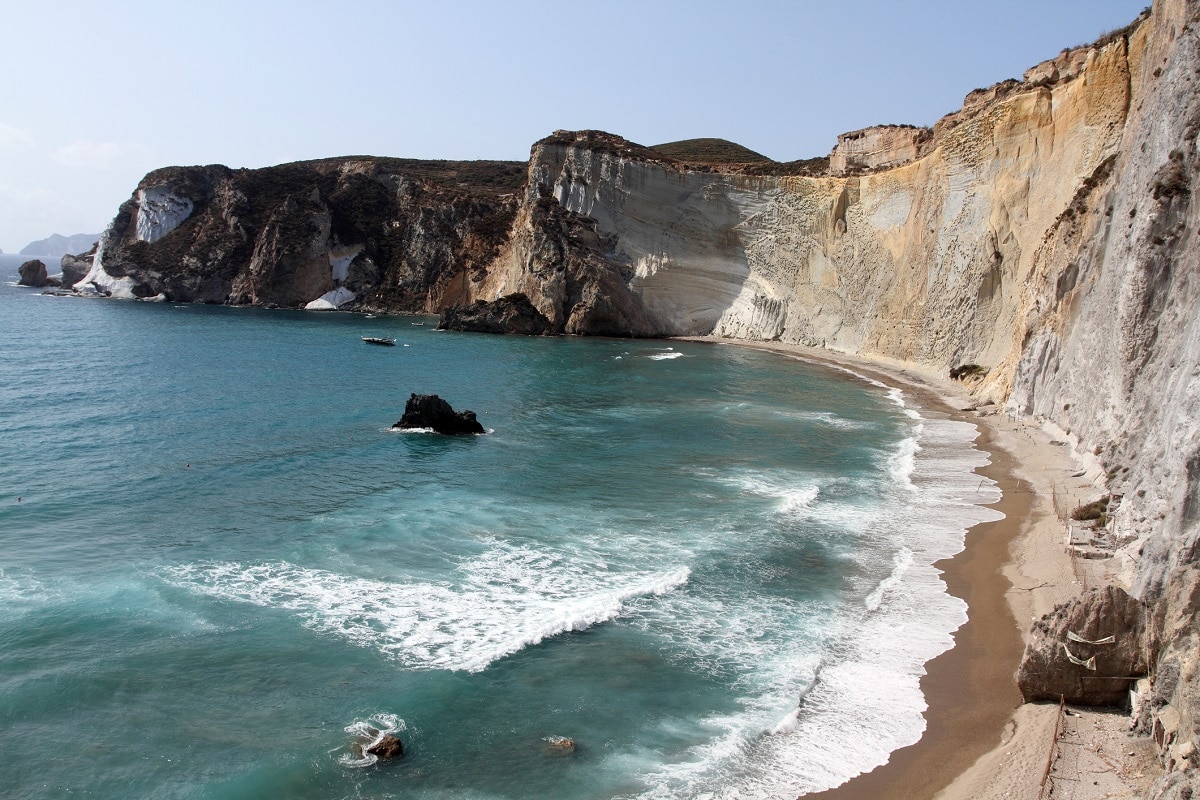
x: 431, y: 411
x: 387, y: 748
x: 33, y: 273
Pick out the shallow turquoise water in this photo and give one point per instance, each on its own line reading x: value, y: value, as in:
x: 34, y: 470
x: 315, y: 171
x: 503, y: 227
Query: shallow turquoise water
x: 707, y: 566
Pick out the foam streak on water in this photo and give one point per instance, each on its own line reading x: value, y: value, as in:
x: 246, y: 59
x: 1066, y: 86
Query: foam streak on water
x: 508, y: 601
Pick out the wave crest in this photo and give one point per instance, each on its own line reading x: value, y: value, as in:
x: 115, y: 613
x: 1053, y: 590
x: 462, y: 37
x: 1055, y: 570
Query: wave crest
x: 511, y: 598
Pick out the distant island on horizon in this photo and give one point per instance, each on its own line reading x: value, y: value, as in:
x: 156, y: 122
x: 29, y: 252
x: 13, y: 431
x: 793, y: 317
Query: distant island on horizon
x: 56, y: 245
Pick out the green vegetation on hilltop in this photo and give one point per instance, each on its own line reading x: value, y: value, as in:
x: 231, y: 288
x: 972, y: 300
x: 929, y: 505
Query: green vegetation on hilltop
x: 710, y: 151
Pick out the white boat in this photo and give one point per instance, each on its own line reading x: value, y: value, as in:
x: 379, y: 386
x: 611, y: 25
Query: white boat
x: 382, y: 340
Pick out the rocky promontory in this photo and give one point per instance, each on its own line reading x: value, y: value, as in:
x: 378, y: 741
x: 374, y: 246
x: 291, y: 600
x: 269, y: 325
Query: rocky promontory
x: 380, y: 234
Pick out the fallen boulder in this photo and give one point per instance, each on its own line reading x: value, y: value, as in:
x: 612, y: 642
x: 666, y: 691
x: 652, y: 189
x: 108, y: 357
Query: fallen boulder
x: 513, y: 313
x: 1087, y: 650
x: 431, y: 411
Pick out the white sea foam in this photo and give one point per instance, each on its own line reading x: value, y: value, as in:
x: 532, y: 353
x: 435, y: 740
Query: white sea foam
x: 508, y: 598
x: 792, y: 493
x: 665, y: 356
x: 845, y: 714
x: 903, y: 560
x: 21, y: 590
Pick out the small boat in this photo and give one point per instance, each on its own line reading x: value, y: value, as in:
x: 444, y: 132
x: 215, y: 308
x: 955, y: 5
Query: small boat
x: 382, y: 340
x: 418, y: 324
x: 370, y: 316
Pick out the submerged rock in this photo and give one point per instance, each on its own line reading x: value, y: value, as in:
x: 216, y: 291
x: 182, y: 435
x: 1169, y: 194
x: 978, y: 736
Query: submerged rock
x: 1087, y: 650
x: 559, y: 745
x: 431, y: 411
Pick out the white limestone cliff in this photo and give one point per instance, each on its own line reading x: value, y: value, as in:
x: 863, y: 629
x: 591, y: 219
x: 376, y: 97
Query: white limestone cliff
x: 98, y: 282
x: 160, y: 210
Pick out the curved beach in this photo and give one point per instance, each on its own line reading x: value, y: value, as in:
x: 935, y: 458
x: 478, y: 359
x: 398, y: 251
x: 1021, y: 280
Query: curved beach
x: 980, y: 741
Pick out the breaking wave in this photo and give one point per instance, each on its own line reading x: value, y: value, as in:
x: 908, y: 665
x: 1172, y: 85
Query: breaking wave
x: 509, y: 598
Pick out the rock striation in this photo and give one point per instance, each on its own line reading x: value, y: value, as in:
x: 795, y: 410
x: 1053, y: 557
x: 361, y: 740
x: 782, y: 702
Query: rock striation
x: 879, y: 147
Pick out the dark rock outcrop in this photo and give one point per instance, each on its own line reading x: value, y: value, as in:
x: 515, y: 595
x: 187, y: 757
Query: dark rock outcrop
x: 387, y: 748
x: 33, y: 273
x: 431, y: 411
x: 512, y: 313
x: 1070, y: 653
x: 570, y: 271
x: 75, y: 268
x: 403, y: 235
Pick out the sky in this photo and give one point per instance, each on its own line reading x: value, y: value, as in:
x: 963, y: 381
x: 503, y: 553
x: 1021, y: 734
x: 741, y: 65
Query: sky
x: 94, y: 95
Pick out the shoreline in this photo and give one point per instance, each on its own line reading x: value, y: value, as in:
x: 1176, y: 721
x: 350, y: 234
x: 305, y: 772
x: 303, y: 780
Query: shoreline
x: 980, y: 742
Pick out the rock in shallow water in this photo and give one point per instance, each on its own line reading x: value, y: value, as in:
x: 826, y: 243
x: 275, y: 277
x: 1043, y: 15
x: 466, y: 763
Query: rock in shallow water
x: 388, y: 747
x: 33, y: 273
x: 431, y: 411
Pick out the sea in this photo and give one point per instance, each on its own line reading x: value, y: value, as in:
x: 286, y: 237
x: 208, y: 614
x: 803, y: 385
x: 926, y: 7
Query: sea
x: 667, y: 570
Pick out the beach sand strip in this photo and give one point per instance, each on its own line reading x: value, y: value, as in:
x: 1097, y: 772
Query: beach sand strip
x: 980, y: 742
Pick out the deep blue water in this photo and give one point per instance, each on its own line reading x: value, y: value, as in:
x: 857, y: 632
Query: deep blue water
x: 707, y: 566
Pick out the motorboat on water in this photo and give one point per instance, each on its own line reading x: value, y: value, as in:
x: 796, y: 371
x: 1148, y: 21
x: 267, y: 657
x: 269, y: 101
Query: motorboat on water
x: 380, y: 340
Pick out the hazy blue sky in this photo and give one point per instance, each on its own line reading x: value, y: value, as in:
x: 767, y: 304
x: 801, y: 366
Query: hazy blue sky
x: 93, y: 95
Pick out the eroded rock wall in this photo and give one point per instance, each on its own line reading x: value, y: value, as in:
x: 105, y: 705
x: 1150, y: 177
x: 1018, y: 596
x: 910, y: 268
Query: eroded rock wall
x: 371, y: 233
x: 924, y: 262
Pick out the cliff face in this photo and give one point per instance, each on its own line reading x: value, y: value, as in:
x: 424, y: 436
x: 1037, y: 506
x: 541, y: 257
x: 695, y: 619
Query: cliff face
x: 380, y: 234
x: 923, y: 262
x: 1045, y: 232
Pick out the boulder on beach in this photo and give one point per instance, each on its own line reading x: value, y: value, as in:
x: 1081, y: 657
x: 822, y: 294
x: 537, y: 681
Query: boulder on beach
x: 431, y: 411
x: 1087, y: 650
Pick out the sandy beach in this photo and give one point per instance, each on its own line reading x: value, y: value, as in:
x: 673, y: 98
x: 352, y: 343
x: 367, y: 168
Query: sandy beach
x: 980, y: 742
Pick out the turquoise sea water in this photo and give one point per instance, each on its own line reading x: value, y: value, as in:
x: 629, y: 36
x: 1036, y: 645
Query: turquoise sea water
x: 709, y: 567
